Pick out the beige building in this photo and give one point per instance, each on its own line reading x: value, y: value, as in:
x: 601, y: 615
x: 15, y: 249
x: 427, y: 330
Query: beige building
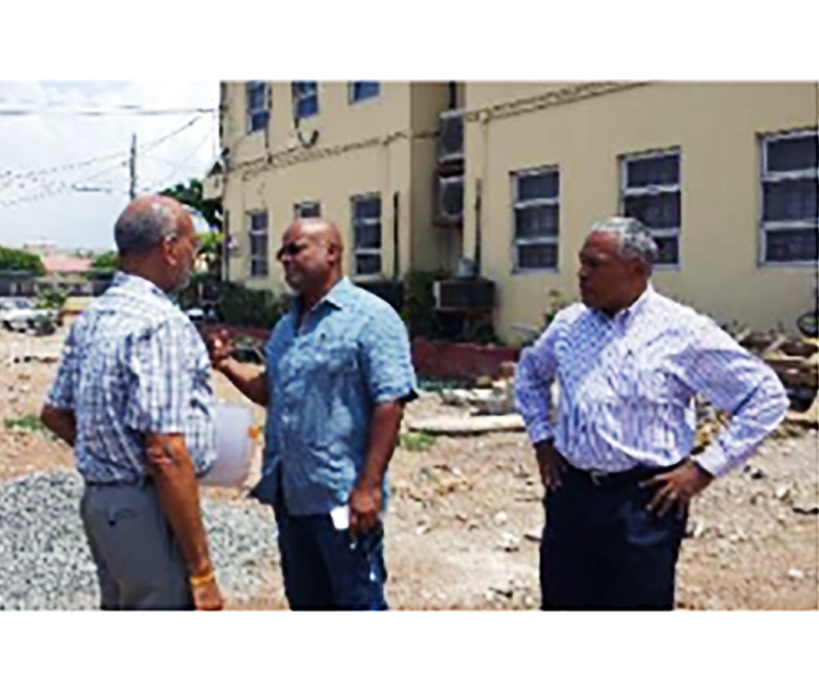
x: 510, y: 176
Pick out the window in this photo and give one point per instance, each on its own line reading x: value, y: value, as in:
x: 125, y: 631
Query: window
x: 789, y: 197
x: 536, y: 210
x: 305, y: 99
x: 366, y: 234
x: 651, y: 193
x: 258, y: 113
x: 258, y: 244
x: 361, y: 91
x: 303, y: 210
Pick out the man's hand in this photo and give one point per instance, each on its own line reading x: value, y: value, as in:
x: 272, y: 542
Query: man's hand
x: 206, y: 595
x: 219, y: 348
x: 676, y: 488
x: 365, y: 506
x: 550, y: 463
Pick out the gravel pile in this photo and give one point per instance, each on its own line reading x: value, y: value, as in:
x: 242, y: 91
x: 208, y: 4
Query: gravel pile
x: 45, y: 562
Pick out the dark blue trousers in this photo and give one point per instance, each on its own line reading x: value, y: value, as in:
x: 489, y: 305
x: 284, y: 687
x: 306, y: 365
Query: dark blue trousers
x: 602, y: 550
x: 324, y: 569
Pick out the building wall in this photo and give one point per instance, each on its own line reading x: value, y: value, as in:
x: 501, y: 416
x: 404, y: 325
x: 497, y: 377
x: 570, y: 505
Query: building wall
x: 383, y: 145
x: 715, y: 125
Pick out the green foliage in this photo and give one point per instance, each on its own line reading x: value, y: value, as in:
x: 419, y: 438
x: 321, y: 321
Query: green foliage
x: 419, y: 303
x: 419, y: 442
x: 257, y: 308
x: 236, y: 304
x: 191, y: 195
x: 20, y: 260
x: 103, y: 266
x: 29, y: 422
x: 51, y: 298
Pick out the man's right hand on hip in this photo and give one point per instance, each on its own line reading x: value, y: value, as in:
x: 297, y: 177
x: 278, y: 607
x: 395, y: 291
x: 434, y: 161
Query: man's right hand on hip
x: 550, y: 463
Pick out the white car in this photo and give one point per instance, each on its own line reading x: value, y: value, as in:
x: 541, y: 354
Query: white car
x: 19, y: 313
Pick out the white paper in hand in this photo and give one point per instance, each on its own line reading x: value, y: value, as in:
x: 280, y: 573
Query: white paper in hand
x: 340, y: 516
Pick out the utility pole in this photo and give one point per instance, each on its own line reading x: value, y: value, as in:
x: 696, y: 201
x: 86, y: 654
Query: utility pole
x: 133, y: 166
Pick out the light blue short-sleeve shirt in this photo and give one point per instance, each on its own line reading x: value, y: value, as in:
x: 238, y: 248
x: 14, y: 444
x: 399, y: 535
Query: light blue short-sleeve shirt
x: 352, y: 353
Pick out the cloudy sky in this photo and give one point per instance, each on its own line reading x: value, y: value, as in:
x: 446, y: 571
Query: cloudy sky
x: 64, y: 149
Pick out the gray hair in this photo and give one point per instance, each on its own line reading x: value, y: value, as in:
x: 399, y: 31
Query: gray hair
x: 635, y: 240
x: 140, y: 229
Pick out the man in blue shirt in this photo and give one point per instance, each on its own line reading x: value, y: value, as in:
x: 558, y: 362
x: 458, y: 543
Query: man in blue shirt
x: 338, y: 373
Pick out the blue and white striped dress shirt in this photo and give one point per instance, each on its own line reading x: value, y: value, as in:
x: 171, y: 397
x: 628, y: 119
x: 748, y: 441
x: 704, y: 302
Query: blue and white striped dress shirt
x: 134, y: 363
x: 627, y: 384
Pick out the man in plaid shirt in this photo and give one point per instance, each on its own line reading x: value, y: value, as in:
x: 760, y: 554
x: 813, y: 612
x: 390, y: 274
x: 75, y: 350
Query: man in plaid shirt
x: 132, y: 397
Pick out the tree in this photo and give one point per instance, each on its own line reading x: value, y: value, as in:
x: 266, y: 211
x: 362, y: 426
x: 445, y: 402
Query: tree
x: 210, y: 244
x: 103, y: 266
x: 15, y: 259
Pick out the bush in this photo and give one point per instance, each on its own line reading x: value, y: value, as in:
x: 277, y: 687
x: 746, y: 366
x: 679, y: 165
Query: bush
x: 233, y: 303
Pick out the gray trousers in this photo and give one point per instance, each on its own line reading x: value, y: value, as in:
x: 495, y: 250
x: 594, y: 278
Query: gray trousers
x: 139, y: 564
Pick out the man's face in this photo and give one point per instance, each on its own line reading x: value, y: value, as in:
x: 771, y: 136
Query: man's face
x: 181, y: 254
x: 307, y: 259
x: 605, y: 276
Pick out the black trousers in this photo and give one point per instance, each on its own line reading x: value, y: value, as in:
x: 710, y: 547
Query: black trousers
x: 602, y: 550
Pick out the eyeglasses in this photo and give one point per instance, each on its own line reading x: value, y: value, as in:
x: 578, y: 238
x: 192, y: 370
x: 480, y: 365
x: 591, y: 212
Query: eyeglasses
x: 291, y: 250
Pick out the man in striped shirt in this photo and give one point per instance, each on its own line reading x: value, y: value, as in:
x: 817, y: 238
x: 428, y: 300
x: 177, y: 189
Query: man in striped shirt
x: 617, y: 462
x: 133, y: 399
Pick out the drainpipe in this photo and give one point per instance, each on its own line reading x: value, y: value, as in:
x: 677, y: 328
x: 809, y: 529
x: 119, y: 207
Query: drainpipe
x: 396, y: 265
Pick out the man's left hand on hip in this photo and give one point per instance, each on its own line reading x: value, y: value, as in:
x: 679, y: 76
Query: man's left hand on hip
x: 676, y: 488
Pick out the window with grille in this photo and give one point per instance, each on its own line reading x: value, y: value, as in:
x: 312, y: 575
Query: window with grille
x: 258, y: 113
x: 650, y: 192
x: 536, y: 209
x: 366, y: 225
x: 257, y: 222
x: 789, y: 197
x: 305, y: 99
x: 361, y: 91
x: 302, y: 210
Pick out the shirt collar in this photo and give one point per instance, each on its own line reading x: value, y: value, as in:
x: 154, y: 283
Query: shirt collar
x: 627, y: 315
x: 340, y: 296
x: 137, y: 283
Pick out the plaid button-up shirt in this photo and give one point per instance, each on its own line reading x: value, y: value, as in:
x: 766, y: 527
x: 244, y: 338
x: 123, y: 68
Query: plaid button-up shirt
x: 133, y: 363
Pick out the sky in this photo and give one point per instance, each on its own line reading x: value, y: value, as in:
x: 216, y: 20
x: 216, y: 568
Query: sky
x: 58, y: 136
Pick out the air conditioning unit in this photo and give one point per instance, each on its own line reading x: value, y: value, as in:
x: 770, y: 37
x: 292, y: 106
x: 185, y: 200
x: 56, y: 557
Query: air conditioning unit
x: 450, y: 200
x: 392, y: 291
x: 464, y: 294
x: 450, y: 136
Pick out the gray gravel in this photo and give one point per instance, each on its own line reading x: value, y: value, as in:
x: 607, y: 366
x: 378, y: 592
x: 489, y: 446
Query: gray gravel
x: 45, y: 563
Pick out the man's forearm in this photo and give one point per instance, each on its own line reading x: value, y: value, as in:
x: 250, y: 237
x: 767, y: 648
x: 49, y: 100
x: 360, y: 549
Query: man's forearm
x: 385, y: 425
x: 250, y: 380
x: 61, y: 422
x: 172, y: 471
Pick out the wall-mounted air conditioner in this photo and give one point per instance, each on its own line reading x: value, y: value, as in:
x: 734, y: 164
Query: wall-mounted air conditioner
x: 449, y: 208
x: 450, y: 136
x: 464, y: 294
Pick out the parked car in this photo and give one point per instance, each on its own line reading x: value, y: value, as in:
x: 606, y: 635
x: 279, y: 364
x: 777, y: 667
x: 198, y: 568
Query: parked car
x: 20, y: 313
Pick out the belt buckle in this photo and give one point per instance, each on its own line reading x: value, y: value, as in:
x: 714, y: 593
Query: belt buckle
x: 597, y: 477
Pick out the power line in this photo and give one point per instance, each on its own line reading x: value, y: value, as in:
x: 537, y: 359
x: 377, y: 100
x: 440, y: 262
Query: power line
x: 121, y: 110
x: 50, y: 188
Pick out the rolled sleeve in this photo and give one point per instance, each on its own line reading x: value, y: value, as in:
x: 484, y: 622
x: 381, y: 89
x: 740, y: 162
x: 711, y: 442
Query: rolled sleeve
x: 387, y: 358
x: 162, y: 382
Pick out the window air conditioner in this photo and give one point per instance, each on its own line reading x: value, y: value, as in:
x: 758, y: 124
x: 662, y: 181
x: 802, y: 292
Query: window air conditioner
x: 466, y: 294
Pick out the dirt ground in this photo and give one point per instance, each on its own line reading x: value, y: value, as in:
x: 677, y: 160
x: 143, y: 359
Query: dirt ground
x: 466, y: 516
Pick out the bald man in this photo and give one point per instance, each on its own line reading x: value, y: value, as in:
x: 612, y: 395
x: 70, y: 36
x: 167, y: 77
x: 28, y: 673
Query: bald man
x: 338, y: 373
x: 132, y: 397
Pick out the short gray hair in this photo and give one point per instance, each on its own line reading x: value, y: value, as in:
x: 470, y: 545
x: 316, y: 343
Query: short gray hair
x: 635, y: 240
x: 140, y: 229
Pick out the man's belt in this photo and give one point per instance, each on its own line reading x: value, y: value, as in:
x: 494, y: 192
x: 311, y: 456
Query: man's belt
x: 635, y: 474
